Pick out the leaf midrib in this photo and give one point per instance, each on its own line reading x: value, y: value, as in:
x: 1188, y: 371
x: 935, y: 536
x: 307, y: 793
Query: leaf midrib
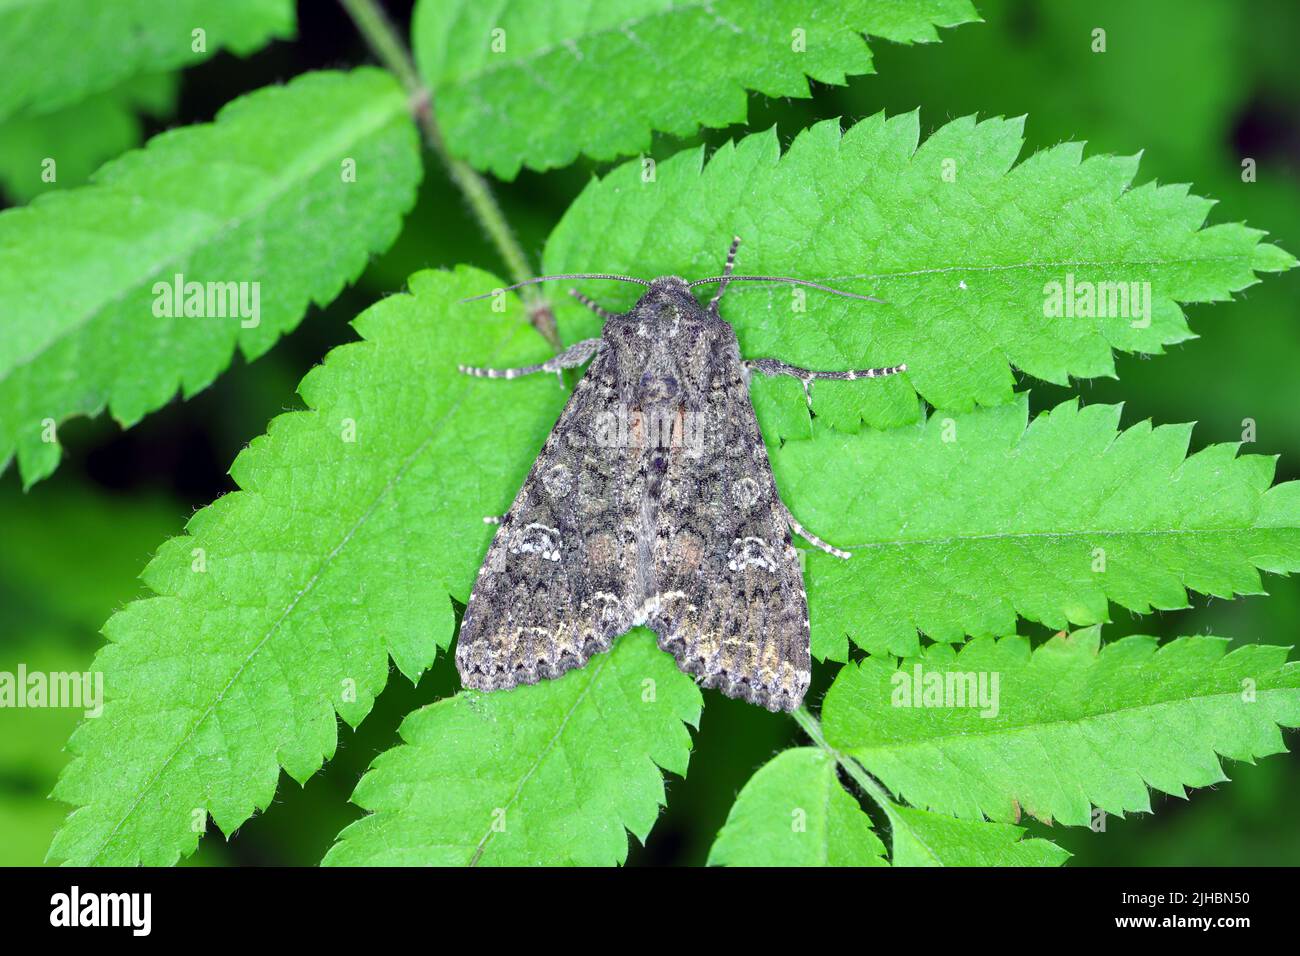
x: 368, y: 122
x: 542, y: 754
x: 898, y: 821
x: 860, y: 751
x: 1042, y: 264
x: 498, y: 64
x: 1085, y: 533
x: 403, y: 468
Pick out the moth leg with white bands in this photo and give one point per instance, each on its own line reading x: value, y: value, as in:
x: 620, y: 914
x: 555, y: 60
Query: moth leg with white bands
x: 777, y: 367
x: 811, y: 538
x: 727, y: 271
x: 807, y: 376
x: 600, y: 310
x: 571, y: 357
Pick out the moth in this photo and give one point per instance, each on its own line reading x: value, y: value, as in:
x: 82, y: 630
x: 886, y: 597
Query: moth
x: 652, y: 503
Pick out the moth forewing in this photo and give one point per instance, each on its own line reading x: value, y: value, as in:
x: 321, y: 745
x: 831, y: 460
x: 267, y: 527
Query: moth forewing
x: 652, y: 502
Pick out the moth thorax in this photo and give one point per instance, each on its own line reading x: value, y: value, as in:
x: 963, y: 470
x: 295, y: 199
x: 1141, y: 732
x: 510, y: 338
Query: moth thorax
x: 658, y: 386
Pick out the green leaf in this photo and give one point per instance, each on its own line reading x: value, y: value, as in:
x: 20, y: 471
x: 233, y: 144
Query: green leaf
x: 1072, y: 724
x: 963, y: 522
x: 284, y: 601
x: 545, y: 774
x: 516, y: 83
x: 259, y: 197
x: 793, y: 812
x: 961, y: 243
x: 920, y: 838
x: 79, y: 137
x: 55, y: 52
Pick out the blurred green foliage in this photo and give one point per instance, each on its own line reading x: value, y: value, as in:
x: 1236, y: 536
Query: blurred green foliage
x: 1198, y: 85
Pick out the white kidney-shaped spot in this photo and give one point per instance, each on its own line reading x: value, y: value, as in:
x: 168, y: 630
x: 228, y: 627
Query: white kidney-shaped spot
x: 751, y: 552
x: 536, y: 539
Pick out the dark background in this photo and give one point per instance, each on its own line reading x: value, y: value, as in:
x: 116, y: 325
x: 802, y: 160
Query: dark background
x: 1198, y: 85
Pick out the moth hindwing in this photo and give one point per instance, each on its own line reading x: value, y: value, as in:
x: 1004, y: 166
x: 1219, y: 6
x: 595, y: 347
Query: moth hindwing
x: 652, y: 502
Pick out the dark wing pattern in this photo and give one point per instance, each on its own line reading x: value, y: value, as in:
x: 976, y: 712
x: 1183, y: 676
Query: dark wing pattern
x: 557, y: 585
x: 652, y: 502
x: 727, y: 596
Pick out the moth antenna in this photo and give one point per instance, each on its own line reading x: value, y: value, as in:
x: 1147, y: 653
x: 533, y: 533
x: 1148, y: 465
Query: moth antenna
x: 804, y: 282
x: 566, y: 275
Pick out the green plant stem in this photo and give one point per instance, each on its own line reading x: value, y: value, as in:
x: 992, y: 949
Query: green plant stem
x: 858, y: 773
x: 388, y: 47
x: 810, y: 726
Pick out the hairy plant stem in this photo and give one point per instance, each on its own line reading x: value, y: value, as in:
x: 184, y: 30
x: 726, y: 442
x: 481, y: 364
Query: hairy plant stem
x: 388, y: 48
x: 870, y: 786
x: 810, y: 726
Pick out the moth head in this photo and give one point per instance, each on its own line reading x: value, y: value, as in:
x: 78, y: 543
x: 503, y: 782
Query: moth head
x: 669, y: 301
x: 669, y: 290
x: 668, y: 285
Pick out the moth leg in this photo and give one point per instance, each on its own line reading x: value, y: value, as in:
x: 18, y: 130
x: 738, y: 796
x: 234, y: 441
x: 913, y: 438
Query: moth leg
x: 727, y: 270
x: 808, y: 376
x: 492, y: 519
x: 571, y: 357
x: 811, y: 538
x: 598, y: 309
x: 777, y: 367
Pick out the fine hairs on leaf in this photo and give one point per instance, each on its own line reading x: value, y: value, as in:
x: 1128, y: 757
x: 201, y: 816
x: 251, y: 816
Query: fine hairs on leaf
x: 283, y: 602
x: 53, y: 58
x: 996, y: 730
x: 1072, y: 512
x: 549, y: 773
x: 537, y: 72
x: 1075, y: 725
x: 795, y: 812
x: 258, y: 200
x: 962, y: 242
